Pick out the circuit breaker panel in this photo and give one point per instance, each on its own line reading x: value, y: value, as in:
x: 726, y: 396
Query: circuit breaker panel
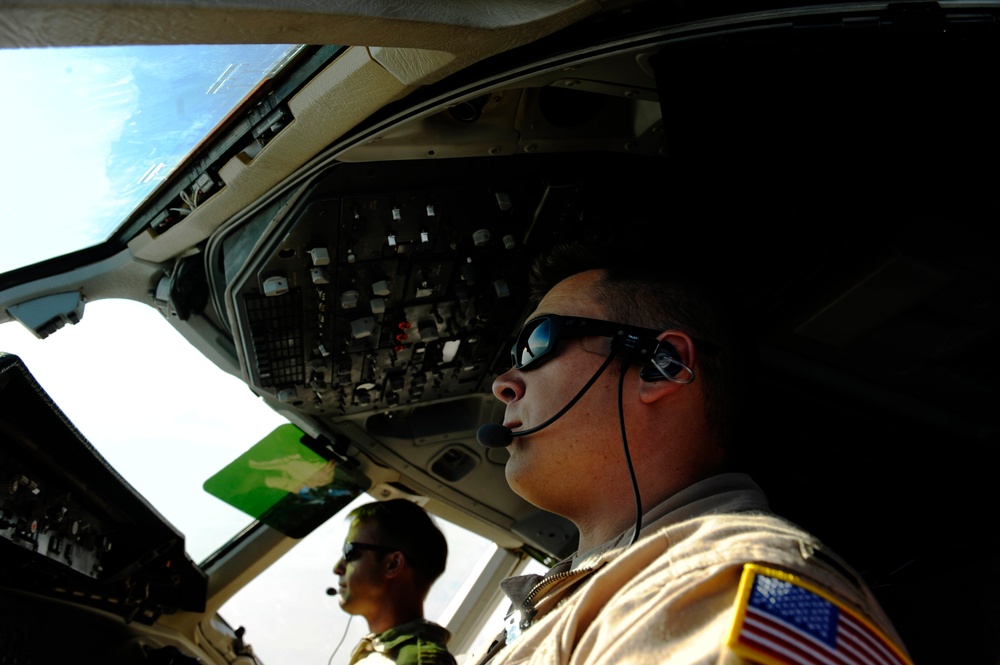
x: 402, y: 284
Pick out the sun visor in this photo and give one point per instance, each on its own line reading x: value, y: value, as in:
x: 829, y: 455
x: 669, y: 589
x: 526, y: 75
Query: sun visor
x: 286, y: 484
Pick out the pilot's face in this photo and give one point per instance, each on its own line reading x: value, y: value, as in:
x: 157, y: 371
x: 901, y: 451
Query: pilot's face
x: 361, y: 586
x: 566, y: 463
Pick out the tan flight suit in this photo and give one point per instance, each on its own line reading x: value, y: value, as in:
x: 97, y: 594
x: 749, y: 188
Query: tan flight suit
x: 670, y: 597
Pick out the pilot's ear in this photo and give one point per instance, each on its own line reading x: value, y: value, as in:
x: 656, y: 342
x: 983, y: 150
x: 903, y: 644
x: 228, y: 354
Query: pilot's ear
x: 394, y: 563
x: 673, y: 369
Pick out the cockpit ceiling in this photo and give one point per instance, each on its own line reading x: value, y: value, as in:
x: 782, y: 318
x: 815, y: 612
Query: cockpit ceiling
x: 463, y: 27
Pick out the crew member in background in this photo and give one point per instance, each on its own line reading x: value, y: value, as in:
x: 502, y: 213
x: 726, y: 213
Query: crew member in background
x: 393, y: 554
x: 654, y: 370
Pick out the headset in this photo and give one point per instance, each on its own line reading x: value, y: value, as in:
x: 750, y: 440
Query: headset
x: 665, y: 365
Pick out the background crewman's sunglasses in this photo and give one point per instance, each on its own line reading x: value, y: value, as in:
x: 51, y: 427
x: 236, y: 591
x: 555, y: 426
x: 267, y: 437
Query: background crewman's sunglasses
x: 540, y: 337
x: 352, y: 551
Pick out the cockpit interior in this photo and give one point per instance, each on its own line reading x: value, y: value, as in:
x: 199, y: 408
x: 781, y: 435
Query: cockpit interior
x: 352, y: 241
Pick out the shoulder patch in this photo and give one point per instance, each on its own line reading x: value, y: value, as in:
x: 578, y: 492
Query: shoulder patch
x: 782, y: 619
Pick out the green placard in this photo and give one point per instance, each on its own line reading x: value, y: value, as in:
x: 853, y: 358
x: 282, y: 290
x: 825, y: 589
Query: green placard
x: 285, y: 484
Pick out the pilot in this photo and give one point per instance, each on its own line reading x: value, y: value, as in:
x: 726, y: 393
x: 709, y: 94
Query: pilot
x: 392, y: 555
x: 621, y: 412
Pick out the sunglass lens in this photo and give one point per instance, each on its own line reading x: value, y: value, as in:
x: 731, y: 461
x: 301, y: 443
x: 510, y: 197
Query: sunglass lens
x: 534, y: 343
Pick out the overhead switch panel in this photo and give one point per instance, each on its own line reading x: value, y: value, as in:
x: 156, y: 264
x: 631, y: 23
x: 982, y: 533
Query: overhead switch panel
x: 364, y: 254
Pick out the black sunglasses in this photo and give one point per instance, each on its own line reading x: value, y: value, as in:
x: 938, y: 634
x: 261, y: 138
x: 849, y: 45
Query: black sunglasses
x: 352, y: 551
x: 540, y: 337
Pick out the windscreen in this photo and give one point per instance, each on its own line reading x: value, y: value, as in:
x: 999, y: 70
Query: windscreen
x: 99, y: 128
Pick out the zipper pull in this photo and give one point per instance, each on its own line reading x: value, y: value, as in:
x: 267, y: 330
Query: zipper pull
x: 512, y: 625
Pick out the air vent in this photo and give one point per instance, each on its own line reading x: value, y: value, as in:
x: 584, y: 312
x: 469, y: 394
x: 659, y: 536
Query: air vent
x: 454, y: 463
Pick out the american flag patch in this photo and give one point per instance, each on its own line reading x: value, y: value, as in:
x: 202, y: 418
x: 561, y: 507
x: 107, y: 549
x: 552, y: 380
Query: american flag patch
x: 783, y: 620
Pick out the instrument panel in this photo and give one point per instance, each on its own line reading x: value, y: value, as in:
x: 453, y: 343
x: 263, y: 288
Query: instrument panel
x: 402, y: 283
x: 70, y: 526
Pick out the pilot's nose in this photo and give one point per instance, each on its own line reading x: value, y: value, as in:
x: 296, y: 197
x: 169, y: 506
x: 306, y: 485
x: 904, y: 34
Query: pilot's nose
x: 509, y: 386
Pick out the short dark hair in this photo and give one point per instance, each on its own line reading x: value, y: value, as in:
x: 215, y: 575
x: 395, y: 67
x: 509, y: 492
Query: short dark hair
x: 405, y: 526
x: 640, y: 290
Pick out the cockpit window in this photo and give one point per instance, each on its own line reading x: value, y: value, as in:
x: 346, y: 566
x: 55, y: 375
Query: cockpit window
x: 92, y: 131
x: 156, y: 410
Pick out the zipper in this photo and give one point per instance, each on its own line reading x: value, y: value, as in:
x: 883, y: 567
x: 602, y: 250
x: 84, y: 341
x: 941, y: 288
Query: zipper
x: 518, y: 620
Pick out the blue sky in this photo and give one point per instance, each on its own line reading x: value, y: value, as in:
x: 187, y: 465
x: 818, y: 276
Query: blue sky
x: 96, y: 129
